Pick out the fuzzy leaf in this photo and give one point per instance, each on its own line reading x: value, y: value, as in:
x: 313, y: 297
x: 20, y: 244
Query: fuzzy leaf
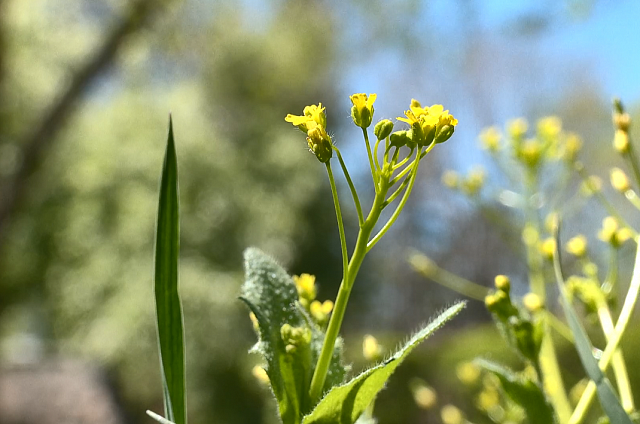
x: 168, y: 308
x: 344, y: 404
x: 273, y: 298
x: 522, y: 391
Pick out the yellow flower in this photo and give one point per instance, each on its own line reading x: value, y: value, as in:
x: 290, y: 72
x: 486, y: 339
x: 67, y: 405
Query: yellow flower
x: 490, y: 139
x: 313, y: 122
x: 619, y: 180
x: 548, y: 247
x: 517, y: 128
x: 306, y: 286
x: 577, y: 246
x: 320, y: 311
x: 362, y: 110
x: 371, y: 349
x: 313, y: 116
x: 429, y: 123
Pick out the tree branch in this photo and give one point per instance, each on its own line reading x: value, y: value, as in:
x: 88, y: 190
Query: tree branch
x: 36, y: 143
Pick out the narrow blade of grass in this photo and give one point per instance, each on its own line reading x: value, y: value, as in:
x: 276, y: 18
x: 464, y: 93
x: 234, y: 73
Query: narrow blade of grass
x: 608, y: 399
x: 168, y: 307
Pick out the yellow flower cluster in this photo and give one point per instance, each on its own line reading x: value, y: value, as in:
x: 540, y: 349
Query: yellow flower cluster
x: 429, y: 123
x: 313, y: 122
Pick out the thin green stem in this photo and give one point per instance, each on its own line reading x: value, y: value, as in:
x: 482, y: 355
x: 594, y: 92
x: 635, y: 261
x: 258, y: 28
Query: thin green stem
x: 371, y: 164
x: 633, y: 198
x: 612, y: 344
x: 343, y: 239
x: 403, y: 161
x: 633, y: 160
x: 429, y: 269
x: 408, y: 168
x: 335, y: 322
x: 354, y: 193
x: 397, y: 192
x: 548, y: 360
x: 617, y: 362
x: 375, y: 154
x: 412, y: 179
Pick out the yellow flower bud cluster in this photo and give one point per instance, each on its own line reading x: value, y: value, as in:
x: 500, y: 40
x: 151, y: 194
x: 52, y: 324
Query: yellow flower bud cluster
x: 621, y: 123
x: 429, y: 124
x: 306, y: 286
x: 611, y: 233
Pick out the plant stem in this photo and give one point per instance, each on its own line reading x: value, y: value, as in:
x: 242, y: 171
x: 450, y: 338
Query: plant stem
x: 343, y: 240
x: 550, y: 376
x: 612, y: 344
x: 371, y: 164
x: 335, y: 322
x: 354, y: 193
x: 396, y: 213
x: 617, y: 361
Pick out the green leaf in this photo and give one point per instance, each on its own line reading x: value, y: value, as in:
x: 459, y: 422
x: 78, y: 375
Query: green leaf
x: 168, y: 308
x: 608, y: 399
x: 272, y: 296
x: 523, y: 391
x: 344, y: 404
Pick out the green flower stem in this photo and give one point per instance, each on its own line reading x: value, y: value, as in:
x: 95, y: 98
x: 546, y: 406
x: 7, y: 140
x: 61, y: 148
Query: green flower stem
x: 426, y: 267
x: 560, y: 327
x: 403, y: 161
x: 375, y: 154
x: 633, y: 198
x: 354, y: 193
x: 612, y: 344
x: 551, y: 377
x: 343, y: 240
x: 335, y: 322
x: 371, y: 164
x: 408, y: 168
x: 412, y: 179
x: 397, y: 192
x: 617, y: 362
x: 630, y: 156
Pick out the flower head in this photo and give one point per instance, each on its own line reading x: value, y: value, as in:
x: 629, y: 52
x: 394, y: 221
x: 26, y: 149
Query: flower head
x: 313, y: 116
x: 362, y: 110
x: 313, y: 122
x: 429, y: 123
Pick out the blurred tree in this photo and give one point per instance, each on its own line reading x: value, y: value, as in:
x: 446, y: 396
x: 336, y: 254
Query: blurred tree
x: 76, y: 258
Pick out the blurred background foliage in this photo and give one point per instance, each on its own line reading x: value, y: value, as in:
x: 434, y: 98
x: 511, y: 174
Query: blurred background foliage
x: 85, y: 92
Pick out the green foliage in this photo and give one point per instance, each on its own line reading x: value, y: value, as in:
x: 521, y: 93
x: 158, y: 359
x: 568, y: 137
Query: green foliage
x: 524, y: 391
x: 608, y: 399
x: 345, y: 404
x: 168, y: 307
x: 272, y: 297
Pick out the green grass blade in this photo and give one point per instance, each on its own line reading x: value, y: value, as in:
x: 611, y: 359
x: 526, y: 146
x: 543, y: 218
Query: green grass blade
x: 608, y: 399
x: 168, y: 308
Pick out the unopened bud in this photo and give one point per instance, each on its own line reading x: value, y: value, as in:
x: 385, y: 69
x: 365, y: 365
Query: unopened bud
x: 383, y: 129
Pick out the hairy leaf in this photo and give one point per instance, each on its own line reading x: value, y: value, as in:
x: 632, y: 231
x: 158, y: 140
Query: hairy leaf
x: 344, y: 404
x: 523, y: 391
x: 272, y: 296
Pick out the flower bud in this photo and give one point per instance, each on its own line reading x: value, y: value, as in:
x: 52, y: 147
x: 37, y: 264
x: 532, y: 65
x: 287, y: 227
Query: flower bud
x: 383, y: 129
x: 577, y: 246
x: 532, y: 302
x: 443, y: 133
x: 320, y: 144
x: 371, y: 349
x: 401, y: 138
x: 619, y: 180
x: 502, y: 283
x: 362, y: 110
